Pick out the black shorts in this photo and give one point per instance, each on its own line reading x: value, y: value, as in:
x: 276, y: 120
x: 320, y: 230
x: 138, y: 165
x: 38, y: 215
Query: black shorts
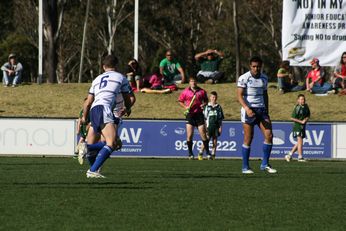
x: 300, y: 133
x: 213, y: 130
x: 195, y: 120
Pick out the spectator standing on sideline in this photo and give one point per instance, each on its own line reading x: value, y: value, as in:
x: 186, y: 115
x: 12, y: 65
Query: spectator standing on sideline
x: 12, y: 71
x: 101, y: 102
x: 300, y: 116
x: 340, y: 73
x: 315, y: 80
x: 172, y: 71
x: 253, y: 97
x: 213, y: 115
x: 209, y: 61
x: 193, y: 99
x: 134, y: 74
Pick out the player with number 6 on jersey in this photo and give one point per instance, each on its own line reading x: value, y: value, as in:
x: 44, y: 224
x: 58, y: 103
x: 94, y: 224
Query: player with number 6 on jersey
x: 100, y: 103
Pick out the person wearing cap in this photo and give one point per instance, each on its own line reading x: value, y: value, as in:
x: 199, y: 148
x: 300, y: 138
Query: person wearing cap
x: 12, y: 71
x: 315, y: 79
x: 209, y: 61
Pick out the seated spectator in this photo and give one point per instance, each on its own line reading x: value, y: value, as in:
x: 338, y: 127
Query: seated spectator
x: 209, y: 61
x: 172, y: 71
x: 339, y: 80
x: 156, y: 79
x: 134, y: 74
x: 156, y: 82
x: 315, y: 80
x: 12, y: 71
x: 286, y: 83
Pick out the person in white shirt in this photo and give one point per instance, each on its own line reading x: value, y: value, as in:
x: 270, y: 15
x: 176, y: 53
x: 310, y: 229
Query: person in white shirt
x: 253, y: 97
x: 101, y: 101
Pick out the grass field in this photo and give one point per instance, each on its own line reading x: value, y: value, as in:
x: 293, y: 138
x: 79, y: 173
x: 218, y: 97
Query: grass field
x: 170, y: 194
x: 65, y: 100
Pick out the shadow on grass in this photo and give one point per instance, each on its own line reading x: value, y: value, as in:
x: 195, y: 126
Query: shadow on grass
x: 32, y: 163
x: 209, y: 176
x: 93, y: 184
x: 336, y: 173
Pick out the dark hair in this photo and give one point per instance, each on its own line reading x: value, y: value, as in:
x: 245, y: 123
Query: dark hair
x: 285, y: 63
x: 256, y: 59
x: 110, y: 61
x: 301, y: 95
x: 341, y: 61
x: 134, y: 61
x: 213, y: 93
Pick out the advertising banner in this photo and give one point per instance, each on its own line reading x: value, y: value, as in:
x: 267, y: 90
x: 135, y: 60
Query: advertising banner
x: 155, y: 138
x: 317, y: 144
x: 37, y: 136
x: 339, y: 138
x: 168, y: 139
x: 313, y: 28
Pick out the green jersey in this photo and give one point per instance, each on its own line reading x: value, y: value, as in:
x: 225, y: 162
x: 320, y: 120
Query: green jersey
x: 213, y: 115
x: 300, y: 112
x: 210, y: 65
x: 170, y: 68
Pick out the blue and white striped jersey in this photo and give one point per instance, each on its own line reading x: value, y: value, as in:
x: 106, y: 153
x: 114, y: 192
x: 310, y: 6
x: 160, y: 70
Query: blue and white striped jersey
x: 253, y: 89
x: 107, y: 86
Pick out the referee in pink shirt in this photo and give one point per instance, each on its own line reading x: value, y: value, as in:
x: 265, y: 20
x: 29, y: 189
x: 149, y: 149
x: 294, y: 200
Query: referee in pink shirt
x: 193, y: 99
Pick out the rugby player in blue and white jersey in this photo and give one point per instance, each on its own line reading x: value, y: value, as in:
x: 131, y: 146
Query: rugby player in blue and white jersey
x: 253, y: 97
x: 101, y: 101
x: 95, y: 142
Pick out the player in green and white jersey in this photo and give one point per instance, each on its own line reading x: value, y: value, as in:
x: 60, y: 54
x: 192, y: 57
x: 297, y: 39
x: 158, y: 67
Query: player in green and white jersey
x: 300, y: 116
x: 213, y: 115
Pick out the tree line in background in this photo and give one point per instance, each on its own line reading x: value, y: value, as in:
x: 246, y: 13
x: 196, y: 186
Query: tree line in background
x: 239, y: 28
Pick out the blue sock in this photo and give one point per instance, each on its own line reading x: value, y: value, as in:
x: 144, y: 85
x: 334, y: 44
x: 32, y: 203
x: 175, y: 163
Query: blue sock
x: 102, y: 156
x: 96, y: 147
x: 267, y: 148
x: 245, y: 151
x: 91, y: 157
